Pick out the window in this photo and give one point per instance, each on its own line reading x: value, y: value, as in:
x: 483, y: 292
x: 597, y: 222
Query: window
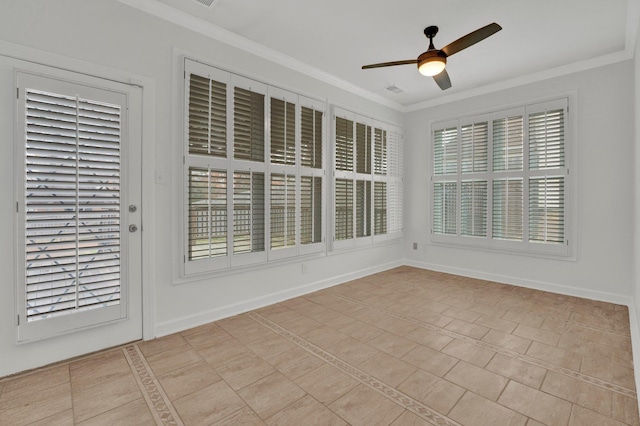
x: 254, y: 171
x: 500, y: 180
x: 368, y: 180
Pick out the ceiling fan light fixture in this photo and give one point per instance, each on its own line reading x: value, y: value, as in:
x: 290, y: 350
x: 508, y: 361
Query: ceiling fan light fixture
x: 432, y: 65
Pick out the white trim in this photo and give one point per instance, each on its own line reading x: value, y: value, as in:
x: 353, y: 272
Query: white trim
x: 620, y: 299
x: 190, y: 321
x: 215, y: 32
x: 560, y: 71
x: 635, y: 340
x: 48, y: 59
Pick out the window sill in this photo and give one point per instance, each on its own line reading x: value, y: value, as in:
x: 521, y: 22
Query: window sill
x: 571, y: 256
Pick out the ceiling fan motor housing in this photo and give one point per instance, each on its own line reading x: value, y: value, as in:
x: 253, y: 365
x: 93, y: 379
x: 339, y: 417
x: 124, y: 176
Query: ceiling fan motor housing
x: 432, y: 62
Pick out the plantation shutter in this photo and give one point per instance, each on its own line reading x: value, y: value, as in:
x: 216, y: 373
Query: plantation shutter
x: 311, y: 176
x: 344, y: 144
x: 473, y: 208
x: 72, y: 204
x: 508, y: 209
x: 380, y: 154
x: 207, y: 213
x: 311, y: 138
x: 394, y: 185
x: 248, y: 125
x: 363, y: 208
x: 248, y: 212
x: 547, y: 191
x: 283, y: 210
x: 310, y: 209
x: 363, y: 148
x: 546, y: 209
x: 546, y: 140
x: 283, y: 132
x: 343, y: 209
x: 444, y: 208
x: 508, y: 143
x: 474, y: 140
x: 445, y: 147
x: 207, y: 117
x: 380, y: 207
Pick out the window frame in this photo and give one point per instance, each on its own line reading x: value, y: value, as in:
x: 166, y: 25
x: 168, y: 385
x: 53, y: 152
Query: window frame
x: 230, y: 164
x: 565, y: 250
x: 392, y: 178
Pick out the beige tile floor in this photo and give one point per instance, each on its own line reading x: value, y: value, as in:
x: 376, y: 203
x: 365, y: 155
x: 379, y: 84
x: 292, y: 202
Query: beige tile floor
x: 403, y: 347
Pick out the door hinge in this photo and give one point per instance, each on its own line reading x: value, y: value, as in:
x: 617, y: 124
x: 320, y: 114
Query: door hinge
x: 18, y: 319
x: 17, y: 93
x: 17, y: 207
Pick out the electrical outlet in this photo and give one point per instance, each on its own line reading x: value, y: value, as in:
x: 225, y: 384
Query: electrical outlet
x: 415, y: 246
x: 304, y: 268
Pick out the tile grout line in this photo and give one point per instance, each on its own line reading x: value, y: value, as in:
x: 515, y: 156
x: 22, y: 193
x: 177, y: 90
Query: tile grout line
x: 485, y: 345
x: 581, y: 324
x: 388, y: 391
x: 159, y: 404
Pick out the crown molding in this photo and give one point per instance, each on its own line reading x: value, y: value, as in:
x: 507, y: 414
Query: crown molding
x: 600, y: 61
x: 190, y: 22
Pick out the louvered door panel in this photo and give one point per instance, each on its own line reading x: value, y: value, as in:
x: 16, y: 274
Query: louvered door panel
x: 72, y: 204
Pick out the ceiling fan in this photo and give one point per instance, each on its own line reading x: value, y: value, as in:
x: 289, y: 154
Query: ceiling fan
x: 432, y: 62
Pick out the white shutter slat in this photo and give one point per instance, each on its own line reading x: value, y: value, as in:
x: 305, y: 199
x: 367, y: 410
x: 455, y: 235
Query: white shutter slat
x: 343, y: 209
x: 508, y: 143
x: 283, y: 132
x: 72, y: 171
x: 546, y: 140
x: 546, y: 209
x: 363, y: 208
x: 380, y: 208
x: 445, y: 155
x: 207, y: 116
x: 508, y: 209
x: 311, y: 138
x: 474, y: 139
x: 310, y: 209
x: 380, y: 151
x: 248, y: 125
x: 207, y: 224
x: 363, y: 148
x: 283, y: 210
x: 473, y: 208
x: 444, y: 208
x: 344, y: 144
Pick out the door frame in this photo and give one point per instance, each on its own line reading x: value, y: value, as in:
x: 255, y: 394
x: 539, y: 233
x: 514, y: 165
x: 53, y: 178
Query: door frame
x: 20, y: 357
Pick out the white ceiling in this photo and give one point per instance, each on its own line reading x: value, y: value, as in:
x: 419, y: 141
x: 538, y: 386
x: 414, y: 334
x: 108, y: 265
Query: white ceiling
x: 337, y: 37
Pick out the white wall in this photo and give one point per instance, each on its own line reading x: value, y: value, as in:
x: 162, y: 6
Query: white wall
x: 96, y: 37
x: 605, y: 195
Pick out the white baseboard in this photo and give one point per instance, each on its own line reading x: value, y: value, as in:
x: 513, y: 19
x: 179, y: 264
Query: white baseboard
x: 190, y: 321
x: 603, y: 296
x: 634, y: 320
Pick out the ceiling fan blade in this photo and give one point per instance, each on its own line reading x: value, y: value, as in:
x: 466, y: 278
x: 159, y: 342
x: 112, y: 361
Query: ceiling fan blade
x: 443, y: 79
x: 390, y: 64
x: 471, y: 39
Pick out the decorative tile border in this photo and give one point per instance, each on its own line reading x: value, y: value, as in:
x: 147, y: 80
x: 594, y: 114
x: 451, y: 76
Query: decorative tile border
x: 534, y: 361
x: 158, y: 402
x: 391, y: 393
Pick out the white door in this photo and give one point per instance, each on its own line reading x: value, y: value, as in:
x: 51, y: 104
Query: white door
x: 78, y: 193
